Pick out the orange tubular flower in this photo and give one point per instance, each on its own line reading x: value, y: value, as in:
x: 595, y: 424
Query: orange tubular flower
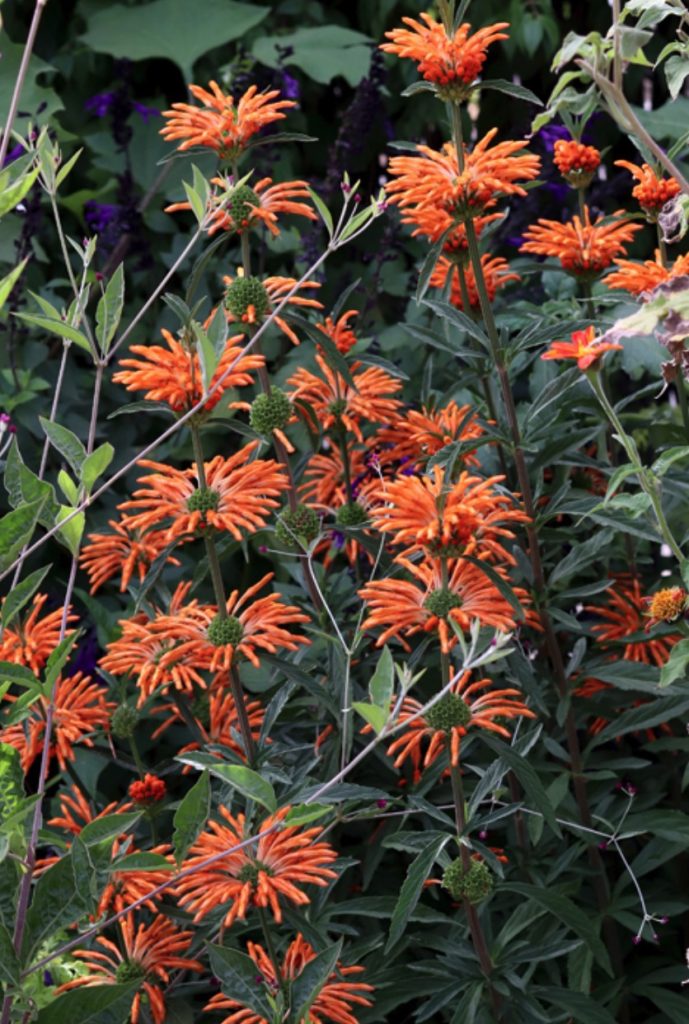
x: 146, y: 954
x: 464, y: 518
x: 80, y: 709
x: 252, y: 205
x: 496, y: 273
x: 221, y: 124
x: 259, y: 875
x: 75, y: 811
x: 148, y: 790
x: 335, y: 402
x: 652, y: 192
x: 451, y: 62
x: 584, y: 249
x: 249, y: 300
x: 333, y: 1002
x: 644, y: 277
x: 444, y: 725
x: 575, y: 162
x: 419, y: 434
x: 626, y: 614
x: 123, y: 551
x: 173, y: 374
x: 239, y: 495
x: 583, y: 347
x: 31, y: 641
x: 218, y: 722
x: 339, y: 331
x: 433, y: 179
x: 210, y: 642
x: 428, y: 604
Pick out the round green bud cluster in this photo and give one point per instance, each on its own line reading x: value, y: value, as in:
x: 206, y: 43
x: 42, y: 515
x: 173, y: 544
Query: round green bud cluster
x: 249, y: 871
x: 299, y: 524
x: 123, y: 721
x: 240, y: 205
x: 473, y: 884
x: 441, y: 602
x: 129, y: 970
x: 351, y: 514
x: 203, y: 499
x: 245, y: 292
x: 448, y: 713
x: 270, y: 412
x: 224, y: 631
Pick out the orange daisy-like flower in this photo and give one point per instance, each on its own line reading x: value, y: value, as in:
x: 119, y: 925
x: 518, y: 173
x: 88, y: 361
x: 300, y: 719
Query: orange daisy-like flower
x: 339, y: 331
x: 217, y: 721
x: 451, y: 62
x: 333, y: 1002
x: 128, y: 552
x: 249, y: 300
x: 337, y: 404
x: 210, y: 642
x: 644, y: 277
x: 626, y: 615
x: 462, y: 518
x: 260, y: 875
x: 652, y: 192
x: 666, y: 605
x: 252, y: 205
x: 576, y: 162
x: 496, y: 274
x: 431, y: 222
x: 467, y: 705
x: 583, y: 347
x: 238, y: 496
x: 146, y: 953
x: 80, y: 709
x: 173, y: 374
x: 583, y: 248
x: 428, y: 603
x: 434, y: 180
x: 221, y: 124
x: 76, y: 812
x: 31, y: 640
x: 420, y: 433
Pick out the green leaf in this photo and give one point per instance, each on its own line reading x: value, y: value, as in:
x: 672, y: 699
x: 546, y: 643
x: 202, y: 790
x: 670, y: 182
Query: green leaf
x: 58, y: 658
x: 323, y: 211
x: 582, y: 1007
x: 96, y: 1004
x: 528, y: 777
x: 237, y: 974
x: 382, y: 681
x: 67, y: 443
x: 10, y: 968
x: 458, y: 319
x: 8, y: 282
x: 21, y: 594
x: 67, y: 167
x: 307, y: 985
x: 676, y: 665
x: 14, y: 193
x: 501, y: 584
x: 430, y: 259
x: 143, y: 862
x: 95, y: 465
x: 16, y: 528
x: 62, y: 896
x: 567, y: 912
x: 110, y: 826
x: 322, y: 53
x: 24, y: 486
x: 248, y: 782
x: 11, y: 784
x: 217, y: 332
x: 19, y: 675
x: 195, y: 202
x: 109, y: 309
x: 412, y: 887
x: 59, y: 327
x: 676, y: 70
x: 72, y: 530
x: 668, y: 458
x: 68, y: 487
x: 511, y: 89
x: 191, y: 816
x: 373, y: 714
x: 302, y: 814
x: 207, y: 355
x: 673, y: 1005
x: 167, y: 28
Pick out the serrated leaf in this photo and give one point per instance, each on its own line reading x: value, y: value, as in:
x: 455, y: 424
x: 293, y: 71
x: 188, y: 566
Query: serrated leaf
x: 109, y: 309
x: 59, y: 327
x: 66, y: 442
x: 237, y: 975
x: 191, y: 816
x: 195, y: 201
x: 93, y: 1004
x: 21, y: 594
x: 308, y: 984
x: 412, y: 887
x: 95, y: 465
x: 382, y: 683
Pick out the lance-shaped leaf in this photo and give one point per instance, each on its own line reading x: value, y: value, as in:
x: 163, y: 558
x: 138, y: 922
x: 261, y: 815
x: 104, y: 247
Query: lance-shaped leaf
x: 109, y: 310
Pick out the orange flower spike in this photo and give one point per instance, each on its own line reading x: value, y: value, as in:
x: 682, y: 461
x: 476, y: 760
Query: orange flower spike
x: 496, y: 274
x: 333, y: 1002
x: 122, y: 551
x: 30, y: 641
x: 636, y: 278
x: 451, y: 62
x: 576, y: 163
x: 468, y: 705
x: 263, y: 875
x: 147, y: 954
x: 239, y: 496
x: 584, y: 249
x: 249, y: 300
x: 220, y: 124
x: 652, y: 192
x: 339, y: 331
x: 464, y: 518
x: 173, y: 374
x: 583, y: 347
x: 254, y: 205
x: 625, y: 614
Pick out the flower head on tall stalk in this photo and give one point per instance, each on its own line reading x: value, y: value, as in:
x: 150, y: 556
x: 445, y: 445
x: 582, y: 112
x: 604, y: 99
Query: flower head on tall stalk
x: 583, y: 346
x: 652, y: 192
x: 584, y: 248
x: 221, y: 124
x: 452, y: 62
x: 262, y: 875
x: 496, y: 274
x: 32, y: 638
x: 637, y: 278
x: 250, y: 300
x: 252, y: 206
x: 173, y: 374
x: 468, y: 705
x: 576, y: 162
x: 146, y: 953
x: 129, y: 553
x: 238, y: 496
x: 333, y: 1002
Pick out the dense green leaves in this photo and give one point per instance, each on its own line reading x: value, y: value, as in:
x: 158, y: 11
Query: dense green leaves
x: 102, y: 1004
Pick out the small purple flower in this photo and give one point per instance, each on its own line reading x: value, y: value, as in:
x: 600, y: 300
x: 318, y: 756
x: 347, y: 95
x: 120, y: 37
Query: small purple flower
x: 636, y: 940
x: 100, y: 104
x: 338, y: 539
x: 290, y: 86
x: 48, y: 978
x: 144, y: 112
x: 381, y: 803
x: 552, y: 133
x: 483, y: 835
x: 99, y: 216
x: 13, y: 154
x: 663, y: 920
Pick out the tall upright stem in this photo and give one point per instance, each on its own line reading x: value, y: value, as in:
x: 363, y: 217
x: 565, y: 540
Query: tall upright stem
x: 19, y: 82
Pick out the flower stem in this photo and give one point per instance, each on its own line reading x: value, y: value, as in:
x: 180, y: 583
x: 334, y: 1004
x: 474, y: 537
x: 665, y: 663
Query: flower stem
x: 17, y: 91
